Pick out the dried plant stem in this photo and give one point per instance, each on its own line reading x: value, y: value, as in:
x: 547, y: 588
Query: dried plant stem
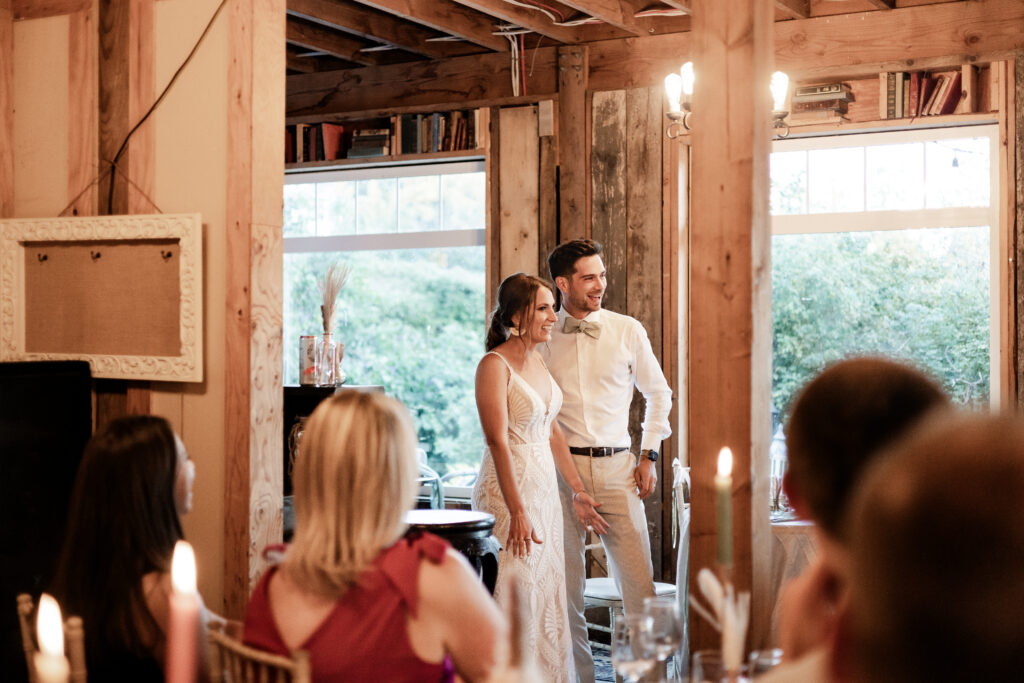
x: 331, y: 283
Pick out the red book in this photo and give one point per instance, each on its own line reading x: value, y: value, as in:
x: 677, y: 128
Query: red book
x: 915, y: 93
x: 927, y: 88
x: 332, y: 140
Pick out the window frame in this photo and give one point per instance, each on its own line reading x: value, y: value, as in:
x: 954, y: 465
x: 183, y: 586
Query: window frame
x: 432, y: 239
x: 912, y: 219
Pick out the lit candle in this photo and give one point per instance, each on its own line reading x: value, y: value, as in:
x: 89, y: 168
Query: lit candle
x: 723, y: 486
x: 182, y: 635
x: 51, y: 665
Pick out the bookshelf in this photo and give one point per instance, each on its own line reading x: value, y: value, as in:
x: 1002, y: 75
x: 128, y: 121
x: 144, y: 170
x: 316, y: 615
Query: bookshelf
x: 873, y: 105
x: 397, y: 139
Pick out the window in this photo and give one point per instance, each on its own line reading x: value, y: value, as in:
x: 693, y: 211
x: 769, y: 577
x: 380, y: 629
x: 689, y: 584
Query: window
x: 412, y: 314
x: 886, y: 243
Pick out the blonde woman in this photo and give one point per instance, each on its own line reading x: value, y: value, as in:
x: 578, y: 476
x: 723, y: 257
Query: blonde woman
x: 366, y: 602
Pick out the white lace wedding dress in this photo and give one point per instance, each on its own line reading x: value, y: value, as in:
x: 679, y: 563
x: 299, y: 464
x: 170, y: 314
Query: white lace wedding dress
x: 529, y: 431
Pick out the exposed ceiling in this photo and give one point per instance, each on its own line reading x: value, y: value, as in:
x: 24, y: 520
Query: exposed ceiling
x: 328, y: 35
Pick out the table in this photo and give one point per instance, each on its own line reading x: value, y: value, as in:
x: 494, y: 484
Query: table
x: 793, y: 549
x: 469, y: 532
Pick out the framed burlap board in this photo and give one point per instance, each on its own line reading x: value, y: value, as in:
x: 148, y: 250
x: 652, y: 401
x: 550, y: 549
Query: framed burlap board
x: 122, y: 292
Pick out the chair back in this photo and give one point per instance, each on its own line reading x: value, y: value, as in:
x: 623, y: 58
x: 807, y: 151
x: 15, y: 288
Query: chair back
x: 74, y: 641
x: 233, y: 662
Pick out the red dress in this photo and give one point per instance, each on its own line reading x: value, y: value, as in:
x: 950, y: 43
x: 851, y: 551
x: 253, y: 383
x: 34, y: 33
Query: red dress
x: 364, y: 638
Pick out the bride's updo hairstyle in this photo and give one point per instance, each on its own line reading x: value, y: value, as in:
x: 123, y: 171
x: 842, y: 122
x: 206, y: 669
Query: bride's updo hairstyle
x: 516, y: 295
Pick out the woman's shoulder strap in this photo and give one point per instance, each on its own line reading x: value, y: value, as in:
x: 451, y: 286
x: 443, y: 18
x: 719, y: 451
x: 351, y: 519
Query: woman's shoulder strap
x: 503, y: 359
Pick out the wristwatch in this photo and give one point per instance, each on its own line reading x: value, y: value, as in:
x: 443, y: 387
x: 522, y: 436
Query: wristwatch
x: 650, y: 454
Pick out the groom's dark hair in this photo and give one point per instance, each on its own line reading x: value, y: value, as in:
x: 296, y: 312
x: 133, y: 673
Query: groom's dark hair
x: 562, y: 261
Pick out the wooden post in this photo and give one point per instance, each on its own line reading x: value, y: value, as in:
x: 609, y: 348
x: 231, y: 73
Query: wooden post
x: 254, y: 471
x: 126, y: 91
x: 6, y: 110
x: 83, y: 106
x: 730, y: 297
x: 573, y: 159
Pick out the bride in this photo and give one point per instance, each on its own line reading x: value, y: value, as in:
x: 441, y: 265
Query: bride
x: 518, y: 401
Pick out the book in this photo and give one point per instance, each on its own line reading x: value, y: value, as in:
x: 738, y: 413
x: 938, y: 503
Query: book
x: 840, y: 106
x: 936, y: 89
x: 939, y: 95
x: 370, y: 132
x: 845, y: 94
x: 898, y: 105
x: 815, y: 117
x: 301, y: 141
x: 331, y: 134
x: 890, y: 96
x: 915, y: 93
x: 363, y: 152
x: 289, y: 144
x: 927, y: 88
x: 831, y: 89
x: 410, y: 133
x: 952, y: 95
x: 883, y: 87
x: 906, y: 94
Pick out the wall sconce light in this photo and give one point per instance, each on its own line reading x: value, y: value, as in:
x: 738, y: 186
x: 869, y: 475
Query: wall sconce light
x: 679, y: 88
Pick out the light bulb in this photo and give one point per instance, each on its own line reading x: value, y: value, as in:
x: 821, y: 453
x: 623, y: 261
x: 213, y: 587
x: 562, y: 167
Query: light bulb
x: 779, y: 86
x: 674, y: 89
x: 686, y: 73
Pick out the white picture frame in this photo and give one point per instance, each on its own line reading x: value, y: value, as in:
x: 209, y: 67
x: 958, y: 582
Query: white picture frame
x: 184, y: 230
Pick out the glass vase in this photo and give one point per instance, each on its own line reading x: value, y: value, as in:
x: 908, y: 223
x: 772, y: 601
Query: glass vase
x: 328, y: 362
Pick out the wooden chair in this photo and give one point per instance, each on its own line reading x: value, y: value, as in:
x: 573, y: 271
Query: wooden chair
x: 603, y: 591
x: 233, y: 662
x: 74, y: 641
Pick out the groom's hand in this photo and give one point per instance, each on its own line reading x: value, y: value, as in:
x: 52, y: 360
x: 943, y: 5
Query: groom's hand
x: 646, y: 477
x: 586, y: 511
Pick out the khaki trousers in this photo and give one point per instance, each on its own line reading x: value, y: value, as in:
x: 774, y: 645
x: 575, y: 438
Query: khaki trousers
x: 627, y: 544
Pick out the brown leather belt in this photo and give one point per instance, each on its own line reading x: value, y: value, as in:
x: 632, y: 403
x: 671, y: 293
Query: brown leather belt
x: 596, y: 451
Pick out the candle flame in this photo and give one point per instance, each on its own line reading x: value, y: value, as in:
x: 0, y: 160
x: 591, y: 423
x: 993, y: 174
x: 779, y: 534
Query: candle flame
x: 50, y: 627
x: 725, y: 462
x: 183, y: 568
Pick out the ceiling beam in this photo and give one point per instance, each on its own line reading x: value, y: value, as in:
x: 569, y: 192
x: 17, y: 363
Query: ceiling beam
x: 794, y: 9
x: 304, y: 65
x: 38, y: 9
x: 313, y: 37
x: 373, y: 25
x: 618, y: 13
x: 532, y: 20
x: 445, y: 17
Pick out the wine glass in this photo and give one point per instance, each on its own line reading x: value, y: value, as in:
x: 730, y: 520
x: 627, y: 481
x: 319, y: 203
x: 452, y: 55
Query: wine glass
x: 632, y: 647
x: 666, y: 632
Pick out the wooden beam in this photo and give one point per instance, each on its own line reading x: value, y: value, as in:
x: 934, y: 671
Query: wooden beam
x: 306, y: 65
x: 254, y: 471
x: 729, y: 366
x: 313, y: 37
x: 83, y: 109
x: 373, y: 25
x: 462, y: 80
x: 794, y: 9
x: 529, y: 19
x: 445, y: 17
x: 39, y: 9
x: 618, y: 13
x: 883, y: 4
x: 573, y: 143
x: 6, y: 110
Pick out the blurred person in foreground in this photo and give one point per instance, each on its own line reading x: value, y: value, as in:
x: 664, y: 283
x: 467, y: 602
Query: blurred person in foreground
x: 134, y: 482
x: 936, y: 575
x: 367, y: 601
x: 839, y: 423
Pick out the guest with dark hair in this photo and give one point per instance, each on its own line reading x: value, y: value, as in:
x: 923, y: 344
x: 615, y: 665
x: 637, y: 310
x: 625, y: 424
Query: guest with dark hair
x: 366, y: 601
x: 838, y: 425
x: 134, y: 481
x: 936, y: 571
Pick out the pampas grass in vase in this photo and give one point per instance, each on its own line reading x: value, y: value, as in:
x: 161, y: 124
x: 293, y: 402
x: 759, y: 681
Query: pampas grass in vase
x: 329, y: 353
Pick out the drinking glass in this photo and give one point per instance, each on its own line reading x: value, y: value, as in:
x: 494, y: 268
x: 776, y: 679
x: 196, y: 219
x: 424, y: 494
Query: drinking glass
x: 632, y: 647
x: 708, y: 667
x: 763, y: 661
x: 665, y: 628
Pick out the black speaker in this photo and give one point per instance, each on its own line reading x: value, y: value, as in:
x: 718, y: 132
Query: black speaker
x: 45, y: 422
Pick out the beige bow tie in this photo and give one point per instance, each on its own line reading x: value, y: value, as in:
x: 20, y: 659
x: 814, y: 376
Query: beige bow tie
x: 572, y: 325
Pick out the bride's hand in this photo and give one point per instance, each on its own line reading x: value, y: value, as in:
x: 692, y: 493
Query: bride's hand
x: 521, y: 535
x: 586, y: 510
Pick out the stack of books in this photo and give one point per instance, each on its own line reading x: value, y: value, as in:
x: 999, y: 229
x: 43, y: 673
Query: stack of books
x: 822, y: 103
x: 370, y: 142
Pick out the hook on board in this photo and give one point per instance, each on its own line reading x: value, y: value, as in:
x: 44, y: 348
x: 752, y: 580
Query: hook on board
x: 95, y: 255
x: 42, y: 257
x: 166, y: 255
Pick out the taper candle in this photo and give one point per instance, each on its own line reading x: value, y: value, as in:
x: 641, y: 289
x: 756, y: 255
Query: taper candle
x: 51, y: 665
x: 723, y: 487
x: 182, y: 635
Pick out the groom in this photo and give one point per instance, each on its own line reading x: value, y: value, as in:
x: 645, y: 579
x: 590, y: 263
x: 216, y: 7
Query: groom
x: 597, y: 357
